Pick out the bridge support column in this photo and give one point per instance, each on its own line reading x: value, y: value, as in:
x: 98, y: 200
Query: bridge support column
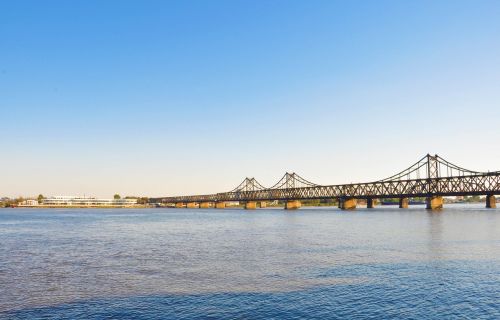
x: 191, y: 205
x: 250, y: 205
x: 263, y: 204
x: 370, y: 203
x: 434, y: 202
x: 179, y: 205
x: 204, y: 205
x: 220, y: 205
x: 403, y: 203
x: 347, y: 204
x: 292, y: 204
x: 491, y: 201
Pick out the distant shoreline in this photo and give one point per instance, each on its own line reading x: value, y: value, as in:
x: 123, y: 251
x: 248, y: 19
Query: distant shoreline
x: 156, y: 207
x: 83, y: 207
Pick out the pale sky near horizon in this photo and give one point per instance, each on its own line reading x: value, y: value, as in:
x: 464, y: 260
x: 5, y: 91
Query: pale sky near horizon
x: 156, y: 98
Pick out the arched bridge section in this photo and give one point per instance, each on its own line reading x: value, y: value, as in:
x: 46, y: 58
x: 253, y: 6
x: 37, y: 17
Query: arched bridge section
x: 431, y: 177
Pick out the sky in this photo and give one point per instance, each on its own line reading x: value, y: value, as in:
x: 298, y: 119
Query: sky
x: 157, y: 98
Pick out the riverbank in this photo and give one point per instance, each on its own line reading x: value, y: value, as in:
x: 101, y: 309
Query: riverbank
x: 138, y: 206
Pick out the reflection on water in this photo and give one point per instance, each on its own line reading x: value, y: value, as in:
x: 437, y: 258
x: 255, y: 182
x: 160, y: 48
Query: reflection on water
x: 435, y: 234
x: 181, y: 263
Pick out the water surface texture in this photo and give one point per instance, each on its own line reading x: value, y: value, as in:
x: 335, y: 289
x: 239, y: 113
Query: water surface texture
x: 318, y: 263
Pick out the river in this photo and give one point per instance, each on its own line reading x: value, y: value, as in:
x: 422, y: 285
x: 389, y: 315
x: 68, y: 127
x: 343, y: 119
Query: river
x: 316, y: 263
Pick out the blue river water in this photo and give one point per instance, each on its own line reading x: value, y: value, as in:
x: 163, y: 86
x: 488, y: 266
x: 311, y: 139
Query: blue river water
x: 313, y: 263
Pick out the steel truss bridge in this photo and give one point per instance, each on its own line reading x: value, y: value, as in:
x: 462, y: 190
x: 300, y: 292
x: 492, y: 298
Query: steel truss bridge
x: 431, y: 177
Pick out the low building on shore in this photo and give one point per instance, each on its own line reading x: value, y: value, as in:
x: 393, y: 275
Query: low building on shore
x: 28, y: 203
x: 69, y: 201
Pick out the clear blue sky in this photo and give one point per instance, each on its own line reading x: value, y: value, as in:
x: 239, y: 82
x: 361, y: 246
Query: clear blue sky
x: 171, y: 97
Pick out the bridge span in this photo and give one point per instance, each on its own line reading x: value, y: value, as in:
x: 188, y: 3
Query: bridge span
x: 431, y: 177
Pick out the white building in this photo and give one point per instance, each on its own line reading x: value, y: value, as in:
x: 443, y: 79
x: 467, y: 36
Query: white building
x: 28, y: 203
x: 84, y: 201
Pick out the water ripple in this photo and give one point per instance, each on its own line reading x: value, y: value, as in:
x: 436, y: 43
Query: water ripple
x: 264, y: 264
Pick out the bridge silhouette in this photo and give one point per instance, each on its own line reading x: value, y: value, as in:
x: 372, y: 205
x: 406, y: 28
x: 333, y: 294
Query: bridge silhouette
x: 431, y: 177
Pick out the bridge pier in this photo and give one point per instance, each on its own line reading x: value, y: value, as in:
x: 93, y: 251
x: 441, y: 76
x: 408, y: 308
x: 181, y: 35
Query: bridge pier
x: 220, y: 205
x: 179, y: 205
x: 347, y: 203
x: 192, y: 205
x: 292, y: 204
x: 263, y: 204
x: 434, y: 203
x: 250, y: 205
x: 403, y: 203
x: 491, y: 201
x: 204, y: 205
x: 370, y: 203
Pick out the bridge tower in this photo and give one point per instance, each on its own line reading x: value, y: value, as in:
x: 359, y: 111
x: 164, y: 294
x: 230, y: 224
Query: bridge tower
x: 433, y: 202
